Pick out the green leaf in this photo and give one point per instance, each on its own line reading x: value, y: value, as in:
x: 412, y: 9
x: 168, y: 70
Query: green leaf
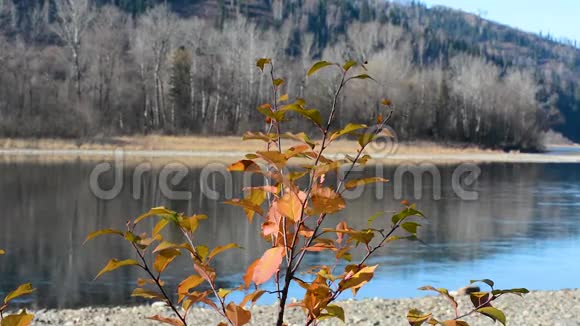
x: 95, y: 234
x: 411, y: 227
x: 262, y: 62
x: 486, y: 281
x: 518, y: 291
x: 406, y: 212
x: 311, y: 114
x: 333, y: 311
x: 147, y: 294
x: 349, y: 64
x: 21, y: 290
x: 365, y: 138
x: 114, y: 264
x: 374, y: 217
x: 317, y: 66
x: 493, y: 313
x: 348, y: 129
x: 362, y: 76
x: 278, y: 115
x: 22, y: 319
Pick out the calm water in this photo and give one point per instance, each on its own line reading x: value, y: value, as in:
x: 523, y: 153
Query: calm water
x: 524, y: 230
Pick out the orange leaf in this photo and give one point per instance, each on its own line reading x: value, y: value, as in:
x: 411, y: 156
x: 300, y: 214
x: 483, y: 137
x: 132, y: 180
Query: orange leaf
x: 245, y: 166
x: 189, y: 283
x: 254, y: 296
x: 237, y: 314
x: 166, y: 320
x: 268, y: 265
x: 359, y: 182
x: 22, y: 319
x: 250, y: 273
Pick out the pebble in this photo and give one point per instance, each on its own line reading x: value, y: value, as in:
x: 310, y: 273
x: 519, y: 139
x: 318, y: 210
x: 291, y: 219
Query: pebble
x: 538, y: 308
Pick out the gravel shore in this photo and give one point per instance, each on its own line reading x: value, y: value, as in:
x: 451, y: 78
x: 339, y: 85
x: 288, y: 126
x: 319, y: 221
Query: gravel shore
x: 553, y: 308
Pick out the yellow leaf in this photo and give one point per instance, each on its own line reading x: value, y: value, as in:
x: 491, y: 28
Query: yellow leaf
x: 317, y: 66
x: 348, y: 129
x: 161, y: 211
x: 220, y: 249
x: 349, y: 64
x: 164, y: 258
x: 274, y: 157
x: 386, y: 102
x: 247, y: 205
x: 416, y: 317
x: 22, y: 319
x: 147, y: 294
x: 202, y: 251
x: 268, y: 265
x: 114, y: 264
x: 355, y: 279
x: 283, y: 98
x: 21, y: 290
x: 95, y: 234
x: 263, y: 62
x: 159, y: 226
x: 2, y: 252
x: 359, y: 182
x: 290, y: 205
x: 222, y: 293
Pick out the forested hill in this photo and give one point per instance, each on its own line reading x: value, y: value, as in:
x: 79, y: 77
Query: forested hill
x: 99, y: 67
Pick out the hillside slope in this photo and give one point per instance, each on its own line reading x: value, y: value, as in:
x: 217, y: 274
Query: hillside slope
x: 439, y: 46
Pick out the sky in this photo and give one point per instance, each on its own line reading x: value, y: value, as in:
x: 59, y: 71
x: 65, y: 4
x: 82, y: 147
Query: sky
x: 559, y: 18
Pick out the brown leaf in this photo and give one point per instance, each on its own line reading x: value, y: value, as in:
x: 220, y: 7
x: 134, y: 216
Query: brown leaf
x: 326, y: 201
x: 167, y: 320
x: 237, y: 314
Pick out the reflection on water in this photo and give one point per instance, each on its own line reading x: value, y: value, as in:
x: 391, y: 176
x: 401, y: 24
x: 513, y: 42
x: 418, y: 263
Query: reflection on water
x: 524, y: 226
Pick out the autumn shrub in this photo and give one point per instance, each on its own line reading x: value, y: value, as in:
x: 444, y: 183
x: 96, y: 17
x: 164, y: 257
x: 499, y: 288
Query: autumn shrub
x: 293, y: 206
x: 21, y: 319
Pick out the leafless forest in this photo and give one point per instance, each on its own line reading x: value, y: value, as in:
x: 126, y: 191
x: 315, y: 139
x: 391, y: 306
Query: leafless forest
x: 87, y: 70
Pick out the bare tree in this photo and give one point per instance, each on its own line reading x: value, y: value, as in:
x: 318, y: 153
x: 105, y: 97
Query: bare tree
x: 74, y: 17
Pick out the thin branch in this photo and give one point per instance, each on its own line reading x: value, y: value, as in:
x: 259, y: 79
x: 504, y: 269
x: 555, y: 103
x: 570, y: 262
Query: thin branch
x: 146, y: 268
